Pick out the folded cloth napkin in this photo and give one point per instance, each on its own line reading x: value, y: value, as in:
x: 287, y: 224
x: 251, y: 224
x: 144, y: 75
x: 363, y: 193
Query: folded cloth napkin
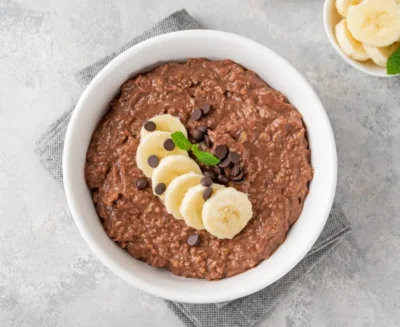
x: 242, y: 312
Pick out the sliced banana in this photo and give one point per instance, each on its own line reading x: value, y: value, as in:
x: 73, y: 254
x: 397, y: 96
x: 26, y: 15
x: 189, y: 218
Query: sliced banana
x: 165, y: 123
x: 342, y: 6
x: 154, y: 145
x: 349, y: 45
x: 380, y: 56
x: 192, y: 205
x: 375, y: 22
x: 226, y: 213
x: 170, y: 168
x: 177, y: 190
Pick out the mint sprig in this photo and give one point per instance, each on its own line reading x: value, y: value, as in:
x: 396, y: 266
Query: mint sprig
x: 204, y: 157
x: 393, y: 64
x: 183, y: 143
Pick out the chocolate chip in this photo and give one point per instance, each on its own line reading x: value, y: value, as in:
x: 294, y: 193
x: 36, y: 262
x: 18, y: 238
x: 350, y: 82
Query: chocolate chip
x: 169, y: 145
x: 160, y: 188
x: 207, y: 193
x: 193, y: 240
x: 207, y: 141
x: 235, y: 157
x: 206, y: 108
x: 196, y: 114
x: 217, y: 170
x: 221, y: 151
x: 206, y: 181
x: 197, y: 135
x: 141, y: 183
x: 223, y: 179
x: 211, y: 174
x: 235, y: 170
x: 240, y: 181
x: 203, y: 129
x: 225, y: 163
x: 238, y: 177
x: 150, y: 126
x: 153, y: 161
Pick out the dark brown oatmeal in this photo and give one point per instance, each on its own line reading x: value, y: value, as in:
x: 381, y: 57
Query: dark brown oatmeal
x: 247, y: 116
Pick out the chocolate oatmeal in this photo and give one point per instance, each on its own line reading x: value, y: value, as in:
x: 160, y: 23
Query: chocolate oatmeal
x: 256, y: 123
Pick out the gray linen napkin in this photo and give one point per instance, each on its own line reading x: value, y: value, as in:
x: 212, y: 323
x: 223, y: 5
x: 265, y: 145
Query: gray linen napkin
x: 242, y: 312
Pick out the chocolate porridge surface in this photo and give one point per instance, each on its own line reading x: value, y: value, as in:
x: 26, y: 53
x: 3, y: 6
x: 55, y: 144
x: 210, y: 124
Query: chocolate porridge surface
x: 247, y: 116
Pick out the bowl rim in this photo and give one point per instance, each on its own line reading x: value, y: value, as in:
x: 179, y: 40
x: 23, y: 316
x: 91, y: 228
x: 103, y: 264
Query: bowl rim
x: 230, y: 294
x: 377, y: 72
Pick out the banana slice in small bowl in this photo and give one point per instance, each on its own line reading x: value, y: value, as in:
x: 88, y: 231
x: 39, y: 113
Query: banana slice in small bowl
x: 350, y: 46
x: 380, y: 55
x: 375, y: 22
x: 342, y: 6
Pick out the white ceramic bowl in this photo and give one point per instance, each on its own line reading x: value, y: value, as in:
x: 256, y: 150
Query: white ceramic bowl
x: 331, y: 18
x: 275, y: 71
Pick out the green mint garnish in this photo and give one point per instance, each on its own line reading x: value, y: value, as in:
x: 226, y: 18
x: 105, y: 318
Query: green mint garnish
x: 181, y: 141
x: 204, y: 157
x: 393, y: 64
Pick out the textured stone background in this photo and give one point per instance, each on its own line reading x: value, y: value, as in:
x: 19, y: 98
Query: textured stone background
x: 48, y: 277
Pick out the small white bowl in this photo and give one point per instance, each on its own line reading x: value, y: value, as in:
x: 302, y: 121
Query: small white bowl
x: 331, y: 18
x: 275, y: 71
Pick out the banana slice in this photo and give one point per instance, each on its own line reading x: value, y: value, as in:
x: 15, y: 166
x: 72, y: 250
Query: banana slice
x: 380, y: 56
x: 192, y: 205
x: 375, y: 22
x: 165, y: 123
x: 226, y: 213
x: 177, y: 190
x: 343, y: 5
x: 153, y: 144
x: 349, y: 45
x: 170, y: 168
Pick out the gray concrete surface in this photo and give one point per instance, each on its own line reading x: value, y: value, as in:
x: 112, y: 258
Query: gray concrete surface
x: 48, y: 277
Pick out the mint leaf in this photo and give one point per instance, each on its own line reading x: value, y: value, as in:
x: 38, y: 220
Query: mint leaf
x: 393, y: 64
x: 181, y: 141
x: 204, y: 157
